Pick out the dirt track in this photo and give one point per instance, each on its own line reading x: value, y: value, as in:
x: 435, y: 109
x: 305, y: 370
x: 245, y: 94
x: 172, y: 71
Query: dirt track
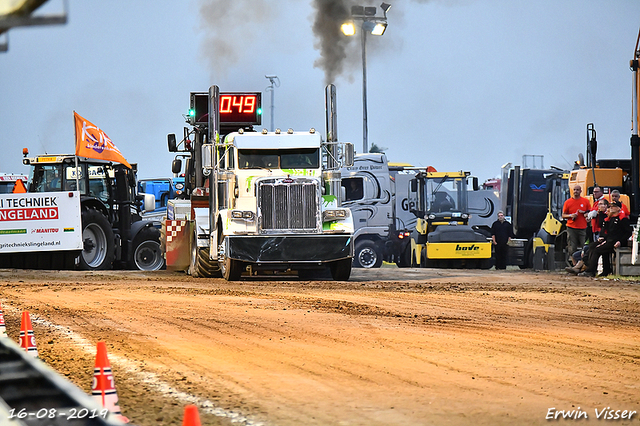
x: 389, y: 347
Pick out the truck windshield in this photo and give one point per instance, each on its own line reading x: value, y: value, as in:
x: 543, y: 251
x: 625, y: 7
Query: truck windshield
x: 302, y: 158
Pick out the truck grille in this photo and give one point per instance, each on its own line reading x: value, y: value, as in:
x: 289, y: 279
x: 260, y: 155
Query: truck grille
x: 287, y: 204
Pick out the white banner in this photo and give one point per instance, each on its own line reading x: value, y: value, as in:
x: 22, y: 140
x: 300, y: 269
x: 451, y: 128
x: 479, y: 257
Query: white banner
x: 40, y: 222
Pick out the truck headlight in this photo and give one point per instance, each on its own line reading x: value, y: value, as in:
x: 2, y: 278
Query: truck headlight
x: 329, y: 215
x: 242, y: 214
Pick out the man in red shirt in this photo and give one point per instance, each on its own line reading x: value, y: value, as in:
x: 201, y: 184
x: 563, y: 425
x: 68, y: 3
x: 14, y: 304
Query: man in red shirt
x: 574, y: 210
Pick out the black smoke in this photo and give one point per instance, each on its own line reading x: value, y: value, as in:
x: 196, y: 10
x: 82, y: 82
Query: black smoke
x: 335, y: 48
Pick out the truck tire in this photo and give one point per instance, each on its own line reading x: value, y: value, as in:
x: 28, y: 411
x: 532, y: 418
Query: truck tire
x: 340, y: 269
x: 368, y: 255
x: 147, y: 255
x: 201, y: 266
x: 98, y: 241
x: 231, y: 269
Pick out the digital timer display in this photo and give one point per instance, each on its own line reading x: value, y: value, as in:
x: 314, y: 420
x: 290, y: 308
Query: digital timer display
x: 236, y: 108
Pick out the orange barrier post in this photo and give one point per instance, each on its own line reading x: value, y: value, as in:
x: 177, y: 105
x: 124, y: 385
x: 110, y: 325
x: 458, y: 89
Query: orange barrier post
x: 3, y: 329
x: 191, y: 416
x: 103, y: 388
x: 27, y: 339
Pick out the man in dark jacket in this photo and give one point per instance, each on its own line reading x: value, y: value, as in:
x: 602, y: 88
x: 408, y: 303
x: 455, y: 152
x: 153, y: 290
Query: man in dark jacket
x: 501, y: 233
x: 615, y: 233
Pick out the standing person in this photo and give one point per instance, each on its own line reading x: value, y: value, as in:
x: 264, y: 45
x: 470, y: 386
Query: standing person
x: 501, y: 233
x: 574, y: 210
x: 617, y: 231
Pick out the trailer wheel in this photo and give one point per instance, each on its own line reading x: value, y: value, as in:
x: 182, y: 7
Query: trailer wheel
x: 231, y: 269
x: 98, y: 241
x: 341, y: 269
x: 147, y: 254
x: 368, y: 255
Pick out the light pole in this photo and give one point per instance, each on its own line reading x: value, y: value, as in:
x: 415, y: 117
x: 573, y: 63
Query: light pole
x: 375, y: 25
x: 275, y: 82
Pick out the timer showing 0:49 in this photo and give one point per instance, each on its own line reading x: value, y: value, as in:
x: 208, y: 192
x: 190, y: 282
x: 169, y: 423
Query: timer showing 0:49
x: 240, y: 108
x: 237, y: 103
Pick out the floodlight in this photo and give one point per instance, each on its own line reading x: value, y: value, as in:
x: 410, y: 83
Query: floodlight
x: 379, y: 28
x: 348, y: 28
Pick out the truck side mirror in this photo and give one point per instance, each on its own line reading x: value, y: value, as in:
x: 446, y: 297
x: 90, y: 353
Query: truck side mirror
x: 176, y: 166
x: 131, y: 178
x: 413, y: 185
x: 474, y: 181
x: 349, y: 153
x: 171, y: 141
x: 149, y: 202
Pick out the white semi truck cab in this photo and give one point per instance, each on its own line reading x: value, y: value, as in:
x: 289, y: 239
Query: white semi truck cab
x: 272, y: 202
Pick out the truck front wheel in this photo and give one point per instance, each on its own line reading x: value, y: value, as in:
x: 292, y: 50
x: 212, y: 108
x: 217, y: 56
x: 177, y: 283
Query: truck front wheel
x: 231, y: 269
x: 368, y: 255
x: 98, y: 242
x: 147, y: 255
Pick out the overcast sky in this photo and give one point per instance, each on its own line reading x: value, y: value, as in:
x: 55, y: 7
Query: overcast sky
x: 457, y: 84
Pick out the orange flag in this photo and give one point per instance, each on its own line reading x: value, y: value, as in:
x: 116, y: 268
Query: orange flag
x: 91, y: 142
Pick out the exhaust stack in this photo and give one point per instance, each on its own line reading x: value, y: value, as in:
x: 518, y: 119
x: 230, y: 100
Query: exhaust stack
x: 332, y: 175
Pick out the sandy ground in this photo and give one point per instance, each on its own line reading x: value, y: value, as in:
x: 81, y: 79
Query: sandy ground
x: 388, y: 347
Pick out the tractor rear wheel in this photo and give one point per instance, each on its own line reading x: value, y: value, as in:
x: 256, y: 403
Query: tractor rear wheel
x: 98, y: 241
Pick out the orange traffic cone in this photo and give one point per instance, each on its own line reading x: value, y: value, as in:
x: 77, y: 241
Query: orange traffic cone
x: 27, y: 339
x: 103, y: 388
x: 3, y: 329
x: 191, y: 416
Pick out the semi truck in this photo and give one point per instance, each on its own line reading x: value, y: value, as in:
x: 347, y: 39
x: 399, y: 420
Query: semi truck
x: 259, y: 201
x: 376, y: 193
x: 78, y: 213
